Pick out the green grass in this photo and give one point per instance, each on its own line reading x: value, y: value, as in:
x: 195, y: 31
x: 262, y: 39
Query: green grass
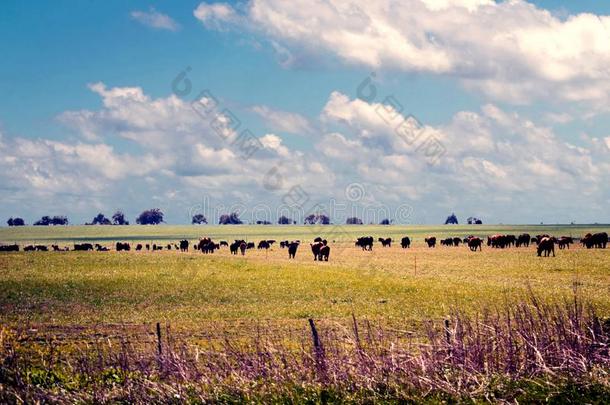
x: 70, y: 234
x: 391, y: 284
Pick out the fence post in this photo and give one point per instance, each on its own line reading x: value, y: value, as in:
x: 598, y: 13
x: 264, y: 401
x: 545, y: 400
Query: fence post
x: 159, y: 348
x: 319, y: 350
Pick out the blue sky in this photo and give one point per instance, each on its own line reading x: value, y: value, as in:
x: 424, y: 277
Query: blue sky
x: 516, y: 94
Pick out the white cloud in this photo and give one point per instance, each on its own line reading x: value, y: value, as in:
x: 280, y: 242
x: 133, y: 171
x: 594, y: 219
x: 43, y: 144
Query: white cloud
x: 213, y: 15
x: 283, y: 121
x: 153, y: 18
x: 510, y: 50
x: 496, y: 162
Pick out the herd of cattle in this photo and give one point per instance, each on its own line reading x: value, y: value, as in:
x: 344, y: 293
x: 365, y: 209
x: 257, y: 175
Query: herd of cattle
x: 321, y: 250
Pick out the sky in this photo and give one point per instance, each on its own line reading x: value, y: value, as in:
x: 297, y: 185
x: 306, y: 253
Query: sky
x: 409, y: 110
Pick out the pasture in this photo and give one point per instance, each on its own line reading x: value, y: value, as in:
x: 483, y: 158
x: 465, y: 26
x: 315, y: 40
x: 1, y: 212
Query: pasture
x: 390, y: 284
x: 56, y: 308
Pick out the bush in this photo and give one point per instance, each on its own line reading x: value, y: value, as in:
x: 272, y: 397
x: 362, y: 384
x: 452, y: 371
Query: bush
x: 100, y: 219
x: 152, y: 216
x: 451, y: 219
x: 199, y: 219
x: 15, y: 222
x: 119, y: 218
x: 353, y: 221
x: 230, y: 219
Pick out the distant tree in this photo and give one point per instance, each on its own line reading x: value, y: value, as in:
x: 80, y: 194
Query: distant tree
x: 44, y: 221
x: 451, y: 219
x: 474, y: 221
x: 353, y: 221
x: 321, y: 219
x: 263, y: 223
x: 118, y: 218
x: 310, y: 219
x: 15, y: 222
x: 59, y: 220
x: 284, y: 220
x: 230, y: 219
x: 100, y: 219
x: 56, y: 220
x: 199, y: 219
x: 152, y: 216
x: 385, y: 222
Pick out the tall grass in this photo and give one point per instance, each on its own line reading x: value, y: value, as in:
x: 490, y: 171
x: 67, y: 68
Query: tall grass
x: 530, y: 351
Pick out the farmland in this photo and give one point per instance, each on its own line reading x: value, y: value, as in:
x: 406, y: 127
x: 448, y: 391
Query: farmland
x: 69, y: 297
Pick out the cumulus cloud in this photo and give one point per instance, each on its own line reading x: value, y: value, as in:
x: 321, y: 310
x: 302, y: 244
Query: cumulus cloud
x: 510, y: 50
x: 153, y: 18
x: 284, y: 121
x: 495, y: 163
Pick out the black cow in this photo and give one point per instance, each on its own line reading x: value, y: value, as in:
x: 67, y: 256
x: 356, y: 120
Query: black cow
x: 523, y: 240
x: 324, y: 252
x: 447, y: 242
x: 474, y: 243
x: 9, y: 248
x: 292, y: 249
x: 83, y: 246
x: 431, y: 241
x: 546, y: 245
x: 263, y: 244
x: 565, y: 242
x: 365, y: 242
x: 597, y: 240
x: 123, y: 246
x: 184, y: 245
x: 405, y: 242
x: 138, y: 247
x: 234, y: 247
x: 387, y: 242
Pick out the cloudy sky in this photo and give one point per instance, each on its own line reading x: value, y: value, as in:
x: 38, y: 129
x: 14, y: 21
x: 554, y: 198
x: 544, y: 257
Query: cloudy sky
x: 420, y: 108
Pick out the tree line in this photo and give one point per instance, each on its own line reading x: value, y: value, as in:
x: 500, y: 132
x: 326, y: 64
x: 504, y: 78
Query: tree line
x: 154, y: 216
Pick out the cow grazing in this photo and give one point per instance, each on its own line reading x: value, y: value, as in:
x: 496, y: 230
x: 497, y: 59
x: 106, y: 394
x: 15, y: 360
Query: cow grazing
x: 224, y: 243
x: 431, y: 241
x: 123, y: 246
x: 565, y: 242
x: 315, y: 249
x: 474, y: 243
x: 29, y: 248
x: 83, y: 246
x: 263, y: 244
x: 447, y: 242
x: 100, y: 248
x: 292, y: 249
x: 184, y: 245
x: 9, y: 248
x: 597, y: 240
x: 405, y: 242
x: 365, y: 242
x: 387, y: 242
x: 324, y: 252
x: 234, y: 247
x: 523, y: 240
x: 456, y: 241
x: 546, y: 246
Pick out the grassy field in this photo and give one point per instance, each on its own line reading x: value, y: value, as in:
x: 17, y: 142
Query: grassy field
x: 188, y: 290
x: 79, y: 327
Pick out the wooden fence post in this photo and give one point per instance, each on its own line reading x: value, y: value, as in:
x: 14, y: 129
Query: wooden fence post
x: 159, y: 348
